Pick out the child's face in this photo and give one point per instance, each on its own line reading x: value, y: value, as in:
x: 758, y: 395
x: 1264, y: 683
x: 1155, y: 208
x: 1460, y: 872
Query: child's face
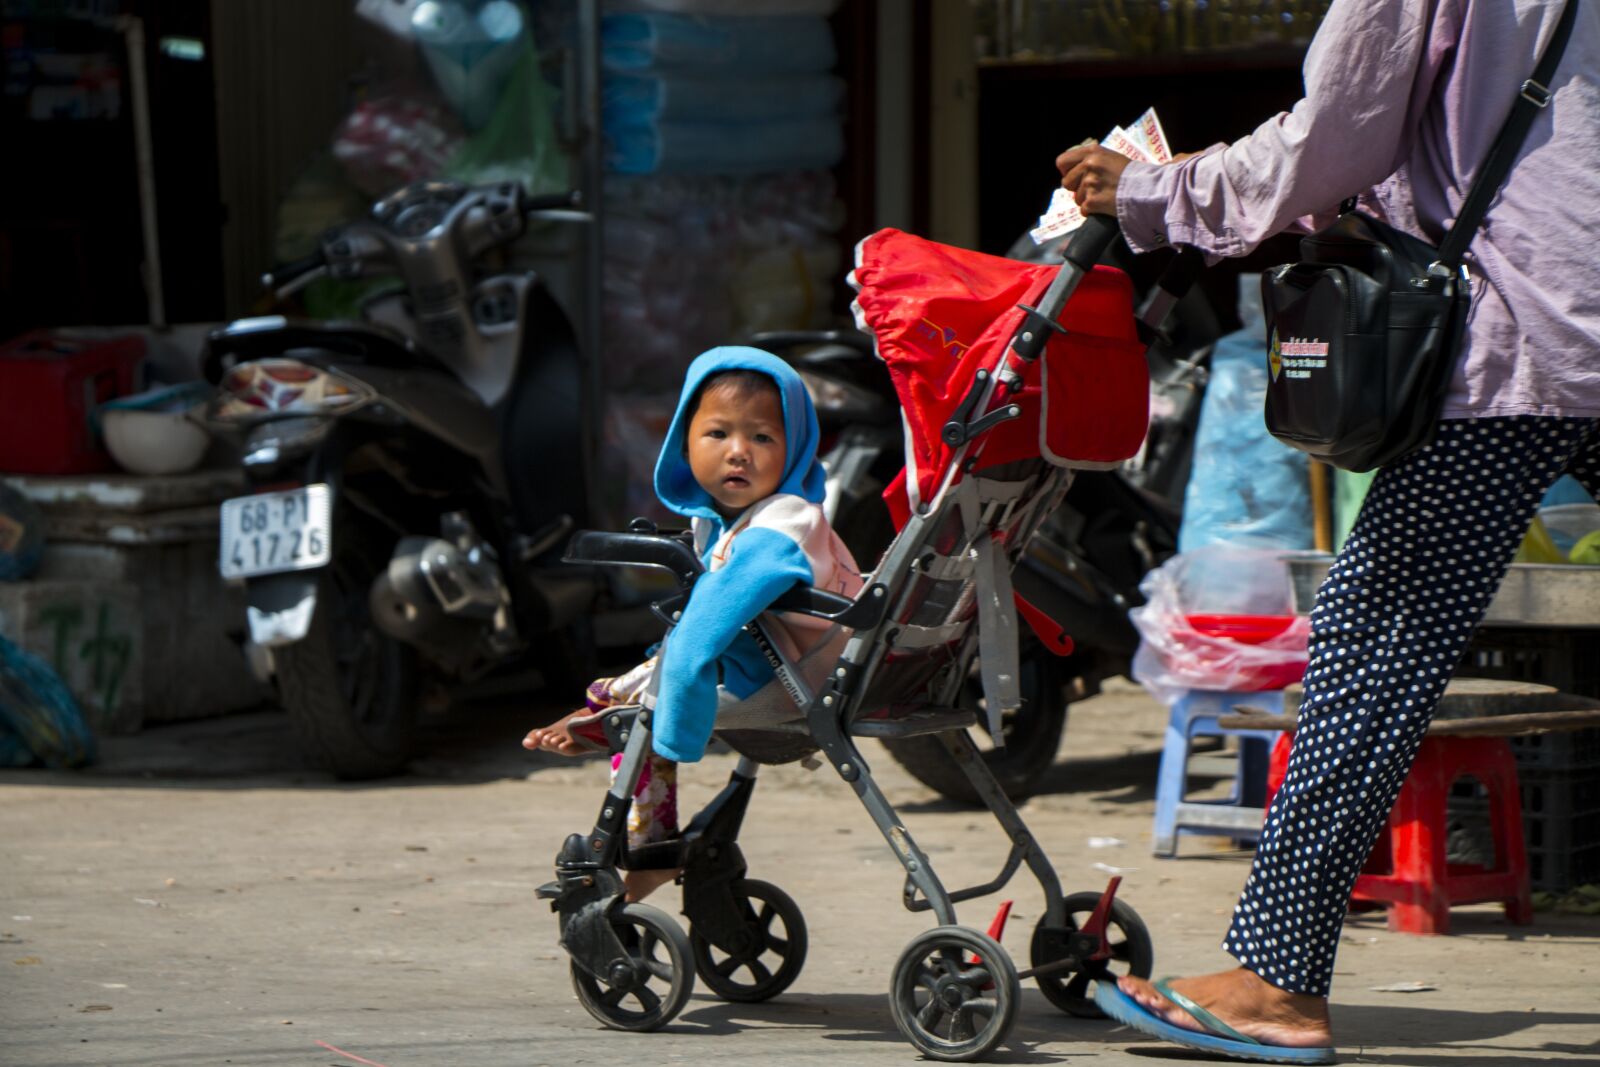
x: 737, y: 446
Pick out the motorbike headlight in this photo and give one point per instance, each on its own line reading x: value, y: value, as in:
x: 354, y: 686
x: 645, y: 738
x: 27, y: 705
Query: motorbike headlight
x: 279, y: 388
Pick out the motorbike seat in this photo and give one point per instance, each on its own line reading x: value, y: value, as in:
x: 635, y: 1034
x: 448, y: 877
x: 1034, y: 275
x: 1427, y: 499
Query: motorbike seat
x: 261, y: 338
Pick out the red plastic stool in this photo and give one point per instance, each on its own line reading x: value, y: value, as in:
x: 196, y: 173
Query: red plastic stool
x: 1407, y: 870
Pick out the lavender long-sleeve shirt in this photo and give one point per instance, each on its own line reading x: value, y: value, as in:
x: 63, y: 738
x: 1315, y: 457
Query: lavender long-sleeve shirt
x: 1403, y: 99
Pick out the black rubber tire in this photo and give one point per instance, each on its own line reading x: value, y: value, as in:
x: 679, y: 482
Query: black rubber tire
x: 936, y: 963
x: 1033, y: 734
x: 790, y: 948
x: 350, y: 691
x: 1132, y: 952
x: 642, y: 929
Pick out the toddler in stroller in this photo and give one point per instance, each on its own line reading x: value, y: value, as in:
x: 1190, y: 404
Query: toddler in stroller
x: 739, y: 461
x: 1001, y: 402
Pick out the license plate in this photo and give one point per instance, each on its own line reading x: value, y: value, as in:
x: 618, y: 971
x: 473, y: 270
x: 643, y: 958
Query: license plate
x: 270, y: 533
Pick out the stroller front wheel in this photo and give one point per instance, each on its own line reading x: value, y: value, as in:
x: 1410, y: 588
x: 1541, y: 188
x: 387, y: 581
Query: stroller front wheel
x: 644, y: 990
x: 954, y: 994
x: 772, y: 957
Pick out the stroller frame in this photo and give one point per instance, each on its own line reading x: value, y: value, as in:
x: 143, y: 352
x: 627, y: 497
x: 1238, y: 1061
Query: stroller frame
x: 940, y: 597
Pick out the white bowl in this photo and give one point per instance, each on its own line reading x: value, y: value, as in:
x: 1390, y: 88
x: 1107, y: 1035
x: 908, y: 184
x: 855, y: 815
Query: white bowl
x: 153, y: 442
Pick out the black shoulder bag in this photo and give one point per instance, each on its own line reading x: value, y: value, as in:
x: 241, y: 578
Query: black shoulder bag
x: 1362, y: 332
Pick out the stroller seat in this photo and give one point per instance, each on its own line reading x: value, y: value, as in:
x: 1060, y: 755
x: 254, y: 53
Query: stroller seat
x: 985, y: 471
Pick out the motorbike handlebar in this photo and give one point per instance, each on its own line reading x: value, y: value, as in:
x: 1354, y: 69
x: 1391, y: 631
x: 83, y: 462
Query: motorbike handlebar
x: 568, y: 201
x: 286, y: 273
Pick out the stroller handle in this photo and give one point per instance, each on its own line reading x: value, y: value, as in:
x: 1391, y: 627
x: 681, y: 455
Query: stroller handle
x: 1090, y: 242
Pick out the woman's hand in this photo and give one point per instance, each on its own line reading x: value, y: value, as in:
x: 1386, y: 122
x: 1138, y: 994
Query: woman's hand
x: 1091, y: 173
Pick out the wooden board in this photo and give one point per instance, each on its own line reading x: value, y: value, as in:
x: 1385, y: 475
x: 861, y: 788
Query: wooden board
x: 1516, y: 725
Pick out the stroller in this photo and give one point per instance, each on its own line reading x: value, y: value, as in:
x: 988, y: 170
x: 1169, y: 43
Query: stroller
x: 1001, y: 403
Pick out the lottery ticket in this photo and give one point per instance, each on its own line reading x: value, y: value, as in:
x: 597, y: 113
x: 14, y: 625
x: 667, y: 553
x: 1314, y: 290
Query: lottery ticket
x: 1124, y: 141
x: 1062, y: 216
x: 1144, y: 141
x: 1149, y: 128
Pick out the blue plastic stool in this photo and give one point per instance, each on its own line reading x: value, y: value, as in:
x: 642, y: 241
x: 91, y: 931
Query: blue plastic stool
x: 1239, y: 815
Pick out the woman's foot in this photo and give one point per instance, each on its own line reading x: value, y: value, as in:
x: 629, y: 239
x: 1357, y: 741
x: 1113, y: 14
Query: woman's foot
x: 557, y: 737
x: 637, y: 885
x: 1245, y: 1001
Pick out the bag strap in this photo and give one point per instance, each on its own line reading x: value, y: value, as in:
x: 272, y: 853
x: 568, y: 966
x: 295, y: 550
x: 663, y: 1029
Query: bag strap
x: 1533, y: 98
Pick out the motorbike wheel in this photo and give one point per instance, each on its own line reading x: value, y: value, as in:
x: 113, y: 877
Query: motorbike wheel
x: 350, y: 690
x: 1032, y: 735
x: 568, y: 658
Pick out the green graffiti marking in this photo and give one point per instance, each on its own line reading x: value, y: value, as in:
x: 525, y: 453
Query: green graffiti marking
x: 107, y: 653
x: 65, y: 618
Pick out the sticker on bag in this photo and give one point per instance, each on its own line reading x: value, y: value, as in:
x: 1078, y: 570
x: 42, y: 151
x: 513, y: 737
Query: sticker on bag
x: 1296, y: 357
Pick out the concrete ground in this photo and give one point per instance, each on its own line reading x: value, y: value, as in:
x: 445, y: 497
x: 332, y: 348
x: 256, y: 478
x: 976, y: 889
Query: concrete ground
x: 200, y: 898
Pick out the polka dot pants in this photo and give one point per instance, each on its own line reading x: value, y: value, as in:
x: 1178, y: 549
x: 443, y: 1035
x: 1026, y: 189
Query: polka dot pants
x: 1435, y: 536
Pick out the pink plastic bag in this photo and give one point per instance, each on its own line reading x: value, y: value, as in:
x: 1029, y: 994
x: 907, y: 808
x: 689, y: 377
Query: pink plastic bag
x: 1221, y: 618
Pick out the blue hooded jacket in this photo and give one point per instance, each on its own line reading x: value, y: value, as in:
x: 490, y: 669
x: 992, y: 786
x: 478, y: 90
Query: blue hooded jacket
x: 775, y: 543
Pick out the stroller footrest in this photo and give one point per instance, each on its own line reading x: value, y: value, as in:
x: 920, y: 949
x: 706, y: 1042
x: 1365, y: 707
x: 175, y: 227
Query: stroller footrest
x: 913, y: 722
x: 656, y: 856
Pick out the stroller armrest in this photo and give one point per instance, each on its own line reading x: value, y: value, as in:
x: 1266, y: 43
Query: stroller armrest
x: 860, y: 614
x: 856, y: 614
x: 666, y: 551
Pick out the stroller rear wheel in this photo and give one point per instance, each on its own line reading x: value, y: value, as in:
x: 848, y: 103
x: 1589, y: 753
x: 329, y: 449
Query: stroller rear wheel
x: 1132, y: 952
x: 954, y: 994
x: 644, y: 990
x: 771, y: 957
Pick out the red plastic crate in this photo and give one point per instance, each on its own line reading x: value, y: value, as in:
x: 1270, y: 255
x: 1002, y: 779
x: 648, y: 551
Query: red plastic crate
x: 49, y: 390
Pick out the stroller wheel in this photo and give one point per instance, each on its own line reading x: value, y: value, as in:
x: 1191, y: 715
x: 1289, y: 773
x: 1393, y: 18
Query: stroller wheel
x: 770, y: 949
x: 954, y: 994
x: 1131, y: 953
x: 650, y: 986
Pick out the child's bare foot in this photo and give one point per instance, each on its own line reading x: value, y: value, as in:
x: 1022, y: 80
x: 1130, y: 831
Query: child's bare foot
x: 639, y: 884
x: 557, y: 737
x: 1245, y: 1001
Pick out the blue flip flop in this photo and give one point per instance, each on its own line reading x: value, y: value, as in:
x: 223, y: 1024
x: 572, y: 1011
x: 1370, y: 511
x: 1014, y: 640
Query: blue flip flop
x: 1221, y: 1037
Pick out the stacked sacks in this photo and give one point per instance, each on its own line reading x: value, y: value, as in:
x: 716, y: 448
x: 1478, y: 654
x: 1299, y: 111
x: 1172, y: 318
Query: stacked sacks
x: 690, y: 263
x: 721, y: 119
x: 691, y: 94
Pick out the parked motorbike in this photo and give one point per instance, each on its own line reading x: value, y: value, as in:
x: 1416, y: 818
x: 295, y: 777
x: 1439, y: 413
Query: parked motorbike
x: 1082, y: 568
x: 415, y: 472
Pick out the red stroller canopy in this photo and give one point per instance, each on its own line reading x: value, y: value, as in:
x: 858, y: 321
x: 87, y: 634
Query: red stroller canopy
x: 940, y: 314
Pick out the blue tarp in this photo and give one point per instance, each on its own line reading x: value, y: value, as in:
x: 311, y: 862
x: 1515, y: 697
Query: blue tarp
x: 38, y: 717
x: 1245, y: 488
